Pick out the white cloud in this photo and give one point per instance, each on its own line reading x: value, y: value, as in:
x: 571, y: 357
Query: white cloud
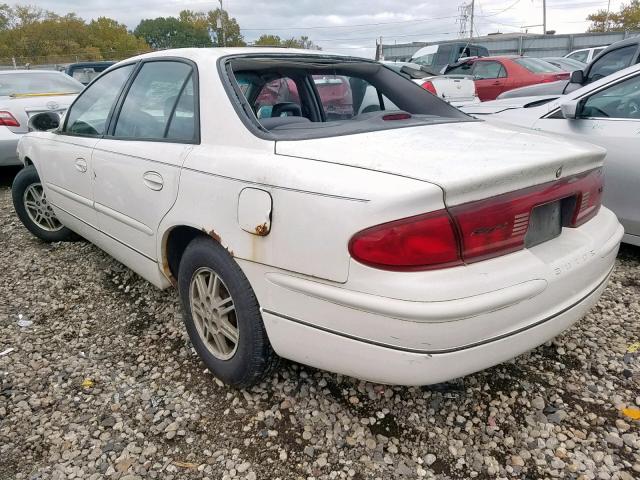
x: 424, y: 20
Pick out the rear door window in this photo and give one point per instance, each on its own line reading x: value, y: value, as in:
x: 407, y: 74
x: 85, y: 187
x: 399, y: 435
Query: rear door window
x: 611, y: 62
x: 150, y: 102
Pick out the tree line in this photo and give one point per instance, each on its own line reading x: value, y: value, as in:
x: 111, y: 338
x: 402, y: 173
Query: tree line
x: 29, y: 34
x: 625, y: 19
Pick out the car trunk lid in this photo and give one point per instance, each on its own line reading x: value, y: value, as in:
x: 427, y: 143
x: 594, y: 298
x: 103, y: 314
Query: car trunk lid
x: 469, y: 160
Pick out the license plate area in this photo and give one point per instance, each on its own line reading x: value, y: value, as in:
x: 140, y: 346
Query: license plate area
x: 545, y: 223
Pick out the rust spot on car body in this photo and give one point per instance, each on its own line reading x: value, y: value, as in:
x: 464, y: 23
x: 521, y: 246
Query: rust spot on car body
x: 212, y: 233
x: 262, y: 230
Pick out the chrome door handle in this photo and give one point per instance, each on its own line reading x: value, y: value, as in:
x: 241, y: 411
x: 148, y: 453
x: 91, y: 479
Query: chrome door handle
x: 153, y: 180
x: 81, y: 165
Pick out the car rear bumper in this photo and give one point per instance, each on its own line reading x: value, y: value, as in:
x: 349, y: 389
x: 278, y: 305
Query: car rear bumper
x: 477, y: 315
x: 8, y: 147
x: 396, y: 366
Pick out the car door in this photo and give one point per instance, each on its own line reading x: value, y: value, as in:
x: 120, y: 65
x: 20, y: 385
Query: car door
x: 491, y: 79
x: 137, y: 164
x: 68, y: 170
x: 610, y: 117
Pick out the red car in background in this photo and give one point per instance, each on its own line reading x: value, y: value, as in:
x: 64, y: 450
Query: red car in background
x: 495, y: 75
x: 334, y: 91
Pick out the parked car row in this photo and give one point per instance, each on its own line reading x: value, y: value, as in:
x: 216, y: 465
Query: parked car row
x: 325, y: 209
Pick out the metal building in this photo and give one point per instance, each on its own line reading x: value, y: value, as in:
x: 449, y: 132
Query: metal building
x: 531, y: 45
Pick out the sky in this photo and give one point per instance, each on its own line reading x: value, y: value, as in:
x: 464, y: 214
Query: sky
x: 351, y: 26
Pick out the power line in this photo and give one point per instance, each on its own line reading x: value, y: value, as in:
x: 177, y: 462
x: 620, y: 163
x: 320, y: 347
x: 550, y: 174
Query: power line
x: 501, y: 11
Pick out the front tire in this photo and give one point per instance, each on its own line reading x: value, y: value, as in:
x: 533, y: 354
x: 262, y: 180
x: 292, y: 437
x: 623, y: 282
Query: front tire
x: 33, y: 209
x: 222, y: 315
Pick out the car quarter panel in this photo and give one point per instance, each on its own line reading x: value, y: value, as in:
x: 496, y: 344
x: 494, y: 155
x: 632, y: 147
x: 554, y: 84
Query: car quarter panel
x: 437, y: 311
x: 316, y: 206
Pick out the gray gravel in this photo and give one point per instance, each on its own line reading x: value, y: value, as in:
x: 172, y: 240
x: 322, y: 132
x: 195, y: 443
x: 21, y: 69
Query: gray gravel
x: 103, y: 383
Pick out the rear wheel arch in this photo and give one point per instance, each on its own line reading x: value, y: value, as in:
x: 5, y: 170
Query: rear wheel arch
x: 174, y: 244
x: 27, y: 162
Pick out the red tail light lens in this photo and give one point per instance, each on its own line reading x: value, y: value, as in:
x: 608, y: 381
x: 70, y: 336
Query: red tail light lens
x: 428, y: 86
x: 474, y: 231
x: 498, y: 225
x: 8, y: 120
x: 422, y: 242
x: 589, y: 200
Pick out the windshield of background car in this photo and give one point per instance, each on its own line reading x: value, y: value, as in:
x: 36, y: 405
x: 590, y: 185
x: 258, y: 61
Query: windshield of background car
x: 40, y: 82
x: 535, y: 65
x: 324, y: 96
x: 611, y: 62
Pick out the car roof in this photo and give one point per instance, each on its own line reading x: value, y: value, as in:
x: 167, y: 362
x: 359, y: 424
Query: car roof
x: 215, y: 53
x: 622, y: 43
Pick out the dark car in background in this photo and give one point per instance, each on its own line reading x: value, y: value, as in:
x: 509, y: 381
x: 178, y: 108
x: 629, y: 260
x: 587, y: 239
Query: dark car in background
x: 437, y: 57
x: 84, y: 72
x: 614, y: 58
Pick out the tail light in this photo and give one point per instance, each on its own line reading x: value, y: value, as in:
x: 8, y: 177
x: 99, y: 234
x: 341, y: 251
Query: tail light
x: 8, y: 120
x: 422, y: 242
x: 428, y: 86
x: 473, y: 231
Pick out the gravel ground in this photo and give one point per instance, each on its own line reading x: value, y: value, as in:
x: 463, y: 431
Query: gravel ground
x: 103, y: 383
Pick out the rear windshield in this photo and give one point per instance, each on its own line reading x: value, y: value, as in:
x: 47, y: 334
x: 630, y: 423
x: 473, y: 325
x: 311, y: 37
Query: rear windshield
x: 296, y: 97
x: 37, y: 82
x: 536, y: 65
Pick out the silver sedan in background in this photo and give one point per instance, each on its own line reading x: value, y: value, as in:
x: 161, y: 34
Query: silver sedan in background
x: 606, y: 113
x: 23, y: 93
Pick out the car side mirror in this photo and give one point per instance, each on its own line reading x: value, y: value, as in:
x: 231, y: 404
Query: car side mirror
x: 43, y: 122
x: 570, y: 109
x: 577, y: 76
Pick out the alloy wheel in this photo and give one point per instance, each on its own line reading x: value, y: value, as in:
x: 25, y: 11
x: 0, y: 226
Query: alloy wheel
x: 214, y: 313
x: 39, y: 209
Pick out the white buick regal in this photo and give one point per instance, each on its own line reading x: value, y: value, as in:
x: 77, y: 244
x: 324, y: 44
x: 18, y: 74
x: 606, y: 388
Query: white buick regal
x: 398, y: 241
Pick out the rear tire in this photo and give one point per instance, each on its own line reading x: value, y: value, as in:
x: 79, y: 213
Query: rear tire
x: 33, y: 209
x: 222, y: 315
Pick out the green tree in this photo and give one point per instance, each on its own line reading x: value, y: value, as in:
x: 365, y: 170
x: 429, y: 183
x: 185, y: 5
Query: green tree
x: 232, y: 35
x: 268, y: 41
x: 112, y: 40
x: 302, y: 42
x: 275, y: 41
x: 627, y: 18
x: 171, y: 32
x: 33, y: 35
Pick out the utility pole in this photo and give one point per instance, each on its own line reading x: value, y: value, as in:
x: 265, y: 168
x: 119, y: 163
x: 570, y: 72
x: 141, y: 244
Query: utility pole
x: 606, y: 21
x: 221, y: 23
x: 473, y: 10
x: 544, y: 17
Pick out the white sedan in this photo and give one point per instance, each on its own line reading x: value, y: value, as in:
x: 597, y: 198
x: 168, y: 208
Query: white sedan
x: 408, y: 245
x: 606, y: 113
x: 24, y: 93
x: 458, y: 90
